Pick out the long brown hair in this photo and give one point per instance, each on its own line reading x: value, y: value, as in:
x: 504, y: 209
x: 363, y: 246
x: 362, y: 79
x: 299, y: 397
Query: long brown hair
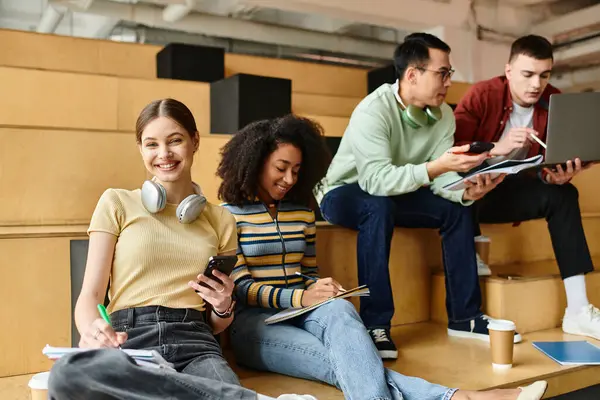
x: 171, y: 108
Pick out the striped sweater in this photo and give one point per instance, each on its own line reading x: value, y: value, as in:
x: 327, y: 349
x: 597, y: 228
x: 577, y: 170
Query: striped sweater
x: 270, y: 252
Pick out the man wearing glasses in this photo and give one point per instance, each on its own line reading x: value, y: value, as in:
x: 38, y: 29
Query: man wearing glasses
x: 509, y: 111
x: 394, y: 158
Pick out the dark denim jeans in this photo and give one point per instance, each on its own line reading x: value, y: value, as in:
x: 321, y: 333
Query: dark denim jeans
x: 180, y: 335
x: 375, y: 217
x: 521, y: 198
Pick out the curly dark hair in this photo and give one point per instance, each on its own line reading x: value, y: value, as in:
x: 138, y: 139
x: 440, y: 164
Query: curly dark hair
x: 244, y: 156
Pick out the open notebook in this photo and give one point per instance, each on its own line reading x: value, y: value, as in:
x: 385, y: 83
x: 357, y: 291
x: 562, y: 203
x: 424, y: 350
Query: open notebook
x: 503, y: 167
x: 294, y: 312
x: 144, y: 358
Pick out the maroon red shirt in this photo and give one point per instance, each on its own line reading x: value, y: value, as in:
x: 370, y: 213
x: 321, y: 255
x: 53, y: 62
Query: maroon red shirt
x: 485, y: 108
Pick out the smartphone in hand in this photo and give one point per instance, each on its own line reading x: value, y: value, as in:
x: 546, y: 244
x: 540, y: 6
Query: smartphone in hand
x: 224, y: 264
x: 479, y: 147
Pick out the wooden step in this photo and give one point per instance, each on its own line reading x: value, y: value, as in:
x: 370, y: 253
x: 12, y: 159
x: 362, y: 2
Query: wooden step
x: 529, y: 242
x: 65, y: 100
x: 533, y: 298
x: 425, y: 351
x: 315, y: 104
x: 38, y: 251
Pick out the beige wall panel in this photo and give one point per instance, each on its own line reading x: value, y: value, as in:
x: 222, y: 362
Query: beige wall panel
x: 45, y: 51
x: 127, y: 59
x: 56, y: 177
x: 63, y: 53
x: 56, y: 99
x: 314, y: 104
x: 332, y: 126
x: 306, y: 77
x: 135, y: 94
x: 35, y: 302
x: 206, y: 162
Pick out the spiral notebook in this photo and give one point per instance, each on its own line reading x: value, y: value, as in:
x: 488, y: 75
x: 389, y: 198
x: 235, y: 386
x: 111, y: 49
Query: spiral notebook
x: 503, y: 167
x: 294, y: 312
x: 144, y: 358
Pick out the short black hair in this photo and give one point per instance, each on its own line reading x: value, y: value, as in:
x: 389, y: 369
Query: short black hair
x: 415, y: 51
x: 244, y: 156
x: 534, y: 46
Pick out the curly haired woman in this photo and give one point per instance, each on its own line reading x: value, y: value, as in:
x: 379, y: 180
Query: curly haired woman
x: 268, y: 171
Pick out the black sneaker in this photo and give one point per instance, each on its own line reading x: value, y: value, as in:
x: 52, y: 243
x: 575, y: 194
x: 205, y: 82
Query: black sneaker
x: 475, y: 329
x: 383, y: 341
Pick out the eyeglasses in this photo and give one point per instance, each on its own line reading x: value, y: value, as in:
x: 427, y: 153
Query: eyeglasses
x: 444, y: 74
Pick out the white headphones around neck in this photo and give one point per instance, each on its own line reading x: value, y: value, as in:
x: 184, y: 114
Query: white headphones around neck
x: 154, y: 199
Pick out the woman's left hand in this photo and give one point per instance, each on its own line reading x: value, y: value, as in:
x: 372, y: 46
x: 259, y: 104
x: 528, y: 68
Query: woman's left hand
x: 217, y: 295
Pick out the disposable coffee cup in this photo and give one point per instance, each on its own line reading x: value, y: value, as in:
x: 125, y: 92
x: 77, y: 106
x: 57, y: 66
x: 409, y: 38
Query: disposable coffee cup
x: 502, y: 336
x: 38, y: 384
x: 482, y: 247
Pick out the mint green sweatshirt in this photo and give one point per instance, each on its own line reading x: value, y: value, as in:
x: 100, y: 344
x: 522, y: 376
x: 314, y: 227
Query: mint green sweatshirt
x: 386, y: 156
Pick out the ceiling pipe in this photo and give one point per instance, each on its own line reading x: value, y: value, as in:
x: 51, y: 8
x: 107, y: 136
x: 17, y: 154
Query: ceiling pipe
x: 223, y: 27
x: 175, y: 12
x: 50, y: 19
x: 568, y: 22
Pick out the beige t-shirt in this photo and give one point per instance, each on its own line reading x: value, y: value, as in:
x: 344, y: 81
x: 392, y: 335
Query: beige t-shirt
x: 156, y: 255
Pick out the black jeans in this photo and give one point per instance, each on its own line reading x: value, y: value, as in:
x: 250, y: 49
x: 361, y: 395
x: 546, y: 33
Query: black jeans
x: 181, y: 336
x: 375, y: 217
x: 524, y: 198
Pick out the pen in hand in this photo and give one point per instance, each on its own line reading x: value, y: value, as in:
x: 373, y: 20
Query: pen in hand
x: 104, y: 314
x: 538, y: 140
x: 313, y: 278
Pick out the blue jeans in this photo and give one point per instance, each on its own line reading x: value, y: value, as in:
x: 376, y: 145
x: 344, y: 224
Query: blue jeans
x: 180, y: 335
x: 375, y: 217
x: 329, y: 344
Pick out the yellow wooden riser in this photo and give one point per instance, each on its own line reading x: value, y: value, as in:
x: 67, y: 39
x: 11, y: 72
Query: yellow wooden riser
x: 109, y: 58
x: 72, y: 168
x: 64, y: 100
x: 530, y: 241
x: 534, y: 304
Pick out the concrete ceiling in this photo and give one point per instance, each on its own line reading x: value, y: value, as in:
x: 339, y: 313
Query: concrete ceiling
x: 362, y: 30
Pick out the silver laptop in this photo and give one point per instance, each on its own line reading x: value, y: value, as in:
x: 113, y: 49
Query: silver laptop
x: 573, y: 128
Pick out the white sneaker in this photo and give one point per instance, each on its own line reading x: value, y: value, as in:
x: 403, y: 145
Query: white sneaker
x: 296, y: 397
x: 482, y: 268
x: 585, y: 323
x: 535, y: 391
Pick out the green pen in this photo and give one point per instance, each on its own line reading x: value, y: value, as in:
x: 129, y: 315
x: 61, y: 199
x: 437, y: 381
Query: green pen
x: 104, y: 314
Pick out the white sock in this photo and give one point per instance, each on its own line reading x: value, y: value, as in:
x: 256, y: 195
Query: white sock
x: 576, y: 294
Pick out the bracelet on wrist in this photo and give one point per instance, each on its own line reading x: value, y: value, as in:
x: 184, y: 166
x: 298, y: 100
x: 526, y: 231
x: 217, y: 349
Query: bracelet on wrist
x: 228, y: 312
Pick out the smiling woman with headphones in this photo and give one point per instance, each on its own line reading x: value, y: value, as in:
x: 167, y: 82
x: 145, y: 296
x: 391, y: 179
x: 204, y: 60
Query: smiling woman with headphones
x: 152, y: 243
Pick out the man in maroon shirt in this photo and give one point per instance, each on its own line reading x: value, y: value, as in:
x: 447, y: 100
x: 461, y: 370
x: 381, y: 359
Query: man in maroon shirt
x: 508, y: 110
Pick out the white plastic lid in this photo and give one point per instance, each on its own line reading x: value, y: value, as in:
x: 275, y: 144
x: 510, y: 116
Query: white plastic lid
x: 39, y: 381
x: 501, y: 325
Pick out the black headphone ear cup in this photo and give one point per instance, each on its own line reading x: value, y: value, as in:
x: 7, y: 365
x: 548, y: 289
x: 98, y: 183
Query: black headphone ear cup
x: 154, y: 196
